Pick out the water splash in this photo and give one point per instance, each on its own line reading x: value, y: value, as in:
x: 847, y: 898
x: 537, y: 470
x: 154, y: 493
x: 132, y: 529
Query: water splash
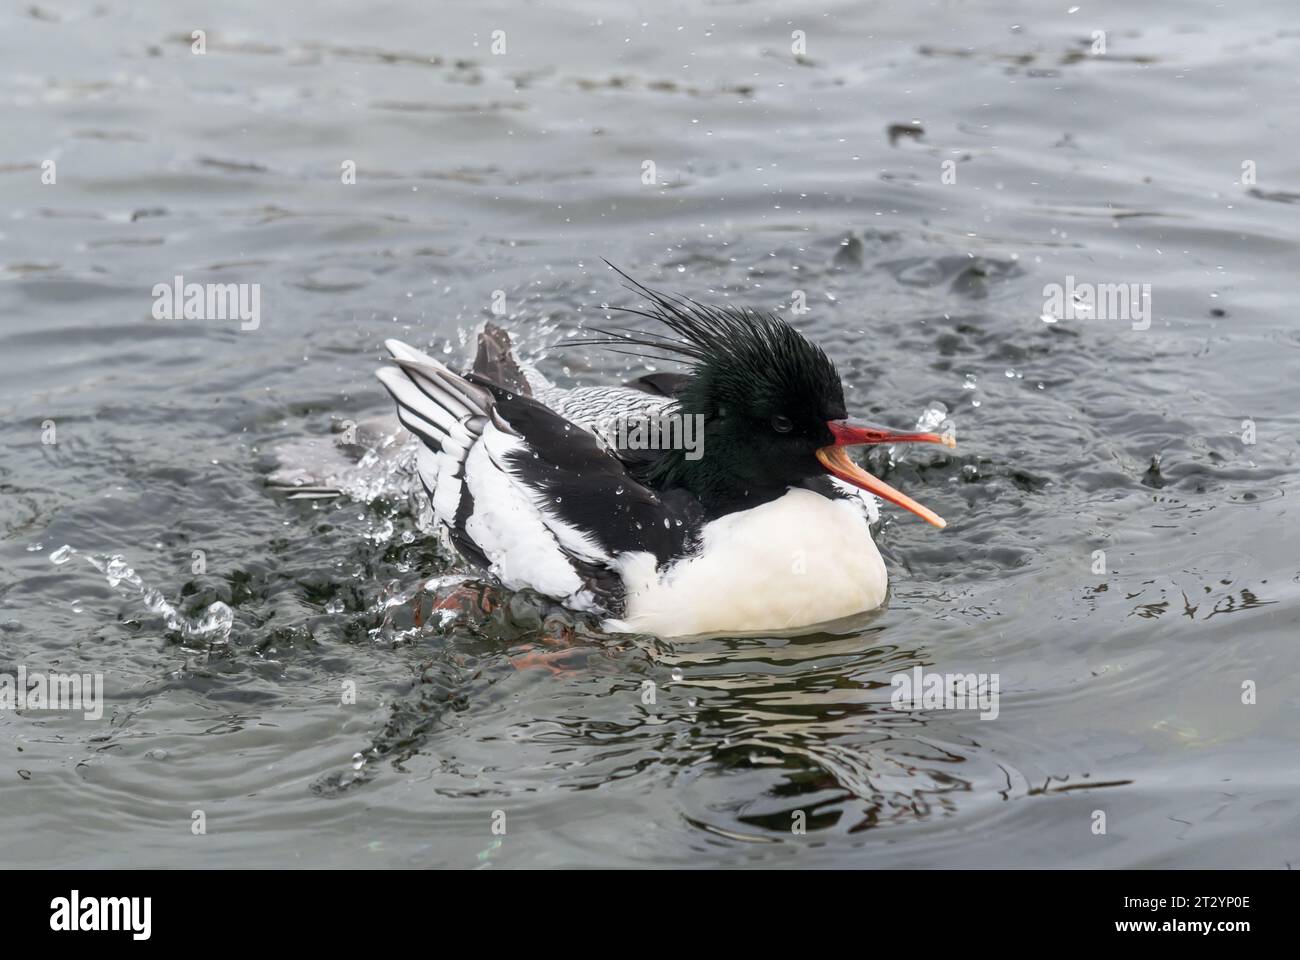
x: 384, y: 471
x: 213, y: 626
x: 935, y: 418
x: 319, y: 468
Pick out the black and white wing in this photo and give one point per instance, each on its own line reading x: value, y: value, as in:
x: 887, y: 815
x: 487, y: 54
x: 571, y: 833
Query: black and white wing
x: 536, y: 499
x: 602, y: 410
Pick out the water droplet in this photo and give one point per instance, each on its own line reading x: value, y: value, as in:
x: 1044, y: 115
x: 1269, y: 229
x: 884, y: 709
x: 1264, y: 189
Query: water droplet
x: 677, y: 675
x: 117, y: 571
x: 62, y: 555
x: 219, y: 617
x: 335, y: 606
x: 932, y: 416
x: 154, y: 602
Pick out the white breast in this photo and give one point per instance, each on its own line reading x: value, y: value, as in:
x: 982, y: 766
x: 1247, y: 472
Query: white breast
x: 798, y: 560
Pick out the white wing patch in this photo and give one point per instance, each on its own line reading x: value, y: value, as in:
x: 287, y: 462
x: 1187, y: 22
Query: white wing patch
x: 509, y: 528
x: 500, y: 446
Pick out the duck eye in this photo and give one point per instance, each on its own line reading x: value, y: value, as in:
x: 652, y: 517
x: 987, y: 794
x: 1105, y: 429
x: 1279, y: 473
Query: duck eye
x: 782, y: 424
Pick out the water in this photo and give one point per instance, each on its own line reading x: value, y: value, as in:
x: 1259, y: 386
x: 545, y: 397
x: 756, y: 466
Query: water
x: 262, y: 662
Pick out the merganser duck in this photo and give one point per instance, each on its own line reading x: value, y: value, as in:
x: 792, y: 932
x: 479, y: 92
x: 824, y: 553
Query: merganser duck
x: 763, y: 526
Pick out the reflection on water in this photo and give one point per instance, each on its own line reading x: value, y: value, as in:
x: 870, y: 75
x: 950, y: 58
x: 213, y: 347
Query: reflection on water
x: 807, y: 720
x: 816, y: 720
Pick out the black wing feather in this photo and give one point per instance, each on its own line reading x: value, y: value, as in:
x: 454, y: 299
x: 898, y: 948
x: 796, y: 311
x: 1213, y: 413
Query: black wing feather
x: 590, y: 489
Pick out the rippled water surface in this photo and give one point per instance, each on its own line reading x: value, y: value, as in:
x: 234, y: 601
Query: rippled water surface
x: 229, y: 622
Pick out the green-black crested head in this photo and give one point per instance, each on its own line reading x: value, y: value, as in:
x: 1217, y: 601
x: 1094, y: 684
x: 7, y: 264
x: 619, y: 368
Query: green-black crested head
x: 764, y: 392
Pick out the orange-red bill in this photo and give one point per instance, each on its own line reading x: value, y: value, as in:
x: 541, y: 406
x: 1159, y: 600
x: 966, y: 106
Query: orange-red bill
x: 848, y: 433
x: 836, y: 460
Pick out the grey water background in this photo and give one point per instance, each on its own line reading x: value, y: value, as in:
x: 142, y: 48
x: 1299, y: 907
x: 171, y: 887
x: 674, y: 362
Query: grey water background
x: 1121, y: 690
